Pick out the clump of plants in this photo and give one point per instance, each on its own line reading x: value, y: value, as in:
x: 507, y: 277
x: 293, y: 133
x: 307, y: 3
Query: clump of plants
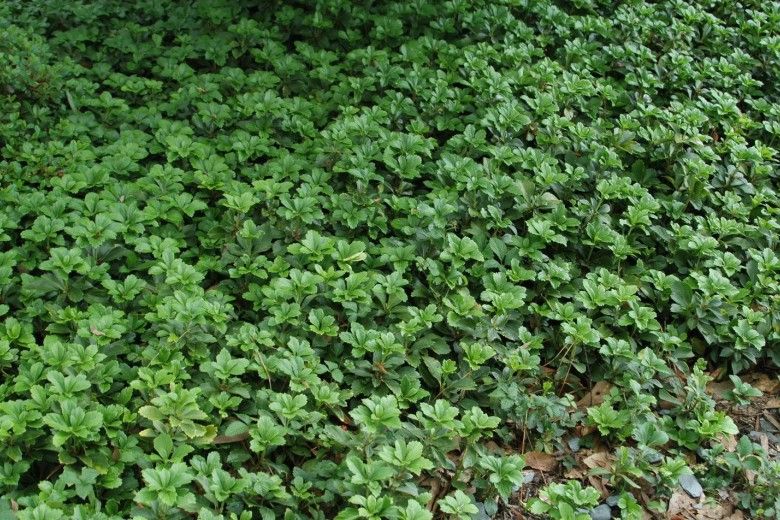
x: 352, y: 260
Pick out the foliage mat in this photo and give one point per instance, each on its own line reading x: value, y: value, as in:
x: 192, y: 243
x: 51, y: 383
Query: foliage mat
x: 389, y: 260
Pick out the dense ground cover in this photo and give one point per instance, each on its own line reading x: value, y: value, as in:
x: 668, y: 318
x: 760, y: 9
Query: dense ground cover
x: 373, y: 259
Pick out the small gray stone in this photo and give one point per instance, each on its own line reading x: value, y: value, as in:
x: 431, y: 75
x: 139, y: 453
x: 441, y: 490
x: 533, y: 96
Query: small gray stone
x: 529, y: 476
x: 574, y: 444
x: 691, y: 485
x: 766, y: 426
x: 602, y: 512
x: 757, y: 437
x: 612, y: 500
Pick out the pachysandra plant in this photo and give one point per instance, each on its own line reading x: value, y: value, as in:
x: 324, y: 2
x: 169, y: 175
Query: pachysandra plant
x: 350, y: 260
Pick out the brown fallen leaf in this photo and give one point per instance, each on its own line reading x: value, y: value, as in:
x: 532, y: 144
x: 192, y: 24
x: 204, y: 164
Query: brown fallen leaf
x: 750, y: 476
x: 493, y: 447
x: 763, y: 440
x: 772, y: 403
x: 719, y: 389
x: 683, y: 507
x: 540, y: 461
x: 576, y: 473
x: 682, y: 376
x: 227, y: 439
x: 765, y: 383
x: 600, y: 484
x: 680, y: 504
x: 717, y: 373
x: 728, y: 441
x: 768, y: 417
x: 435, y: 488
x: 715, y: 512
x: 596, y: 395
x: 599, y: 459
